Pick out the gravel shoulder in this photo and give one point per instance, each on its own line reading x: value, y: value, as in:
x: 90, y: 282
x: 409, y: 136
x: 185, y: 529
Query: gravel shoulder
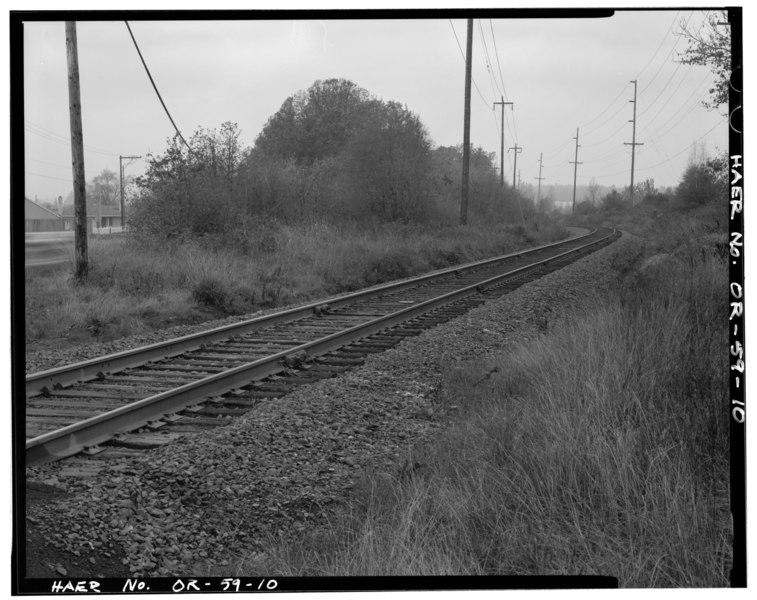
x: 197, y: 505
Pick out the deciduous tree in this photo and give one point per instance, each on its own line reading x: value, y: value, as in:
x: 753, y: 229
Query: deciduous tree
x: 710, y: 46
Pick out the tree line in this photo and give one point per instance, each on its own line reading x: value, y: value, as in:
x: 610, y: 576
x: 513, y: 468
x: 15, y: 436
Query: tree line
x: 330, y: 152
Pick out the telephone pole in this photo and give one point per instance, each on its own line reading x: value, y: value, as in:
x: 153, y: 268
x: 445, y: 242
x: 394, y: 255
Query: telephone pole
x: 518, y: 150
x: 466, y: 127
x: 633, y: 143
x: 575, y: 164
x: 121, y: 171
x: 502, y: 148
x: 77, y: 153
x: 538, y: 193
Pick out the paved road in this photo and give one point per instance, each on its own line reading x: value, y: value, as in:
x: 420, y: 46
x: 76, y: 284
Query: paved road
x: 48, y: 248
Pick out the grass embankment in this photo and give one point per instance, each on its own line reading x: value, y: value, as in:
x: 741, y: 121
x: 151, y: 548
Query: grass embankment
x: 599, y: 448
x: 135, y: 286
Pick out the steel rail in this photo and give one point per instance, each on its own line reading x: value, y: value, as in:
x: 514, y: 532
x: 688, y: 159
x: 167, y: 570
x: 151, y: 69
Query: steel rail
x: 93, y: 368
x: 73, y: 438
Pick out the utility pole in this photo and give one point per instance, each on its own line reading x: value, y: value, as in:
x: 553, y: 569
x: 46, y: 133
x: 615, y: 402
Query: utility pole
x: 77, y: 153
x: 502, y: 147
x: 121, y: 171
x: 575, y: 164
x: 538, y: 193
x: 518, y: 150
x: 466, y: 127
x: 633, y: 143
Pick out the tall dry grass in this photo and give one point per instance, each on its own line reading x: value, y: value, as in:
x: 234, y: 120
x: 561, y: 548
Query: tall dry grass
x: 136, y: 285
x: 600, y: 448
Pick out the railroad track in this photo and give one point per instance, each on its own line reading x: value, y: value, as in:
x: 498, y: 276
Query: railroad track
x: 149, y: 396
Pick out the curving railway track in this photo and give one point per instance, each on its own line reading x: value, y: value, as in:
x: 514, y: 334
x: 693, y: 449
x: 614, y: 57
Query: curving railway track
x: 146, y: 397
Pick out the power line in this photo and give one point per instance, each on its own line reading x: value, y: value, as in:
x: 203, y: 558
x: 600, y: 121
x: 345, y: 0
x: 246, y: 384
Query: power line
x: 622, y: 91
x: 170, y: 118
x: 680, y: 112
x: 475, y: 85
x: 622, y: 125
x: 493, y: 80
x: 44, y: 162
x: 502, y: 79
x: 681, y: 116
x: 48, y: 176
x: 665, y: 37
x: 670, y: 159
x: 664, y: 62
x: 496, y: 55
x: 607, y: 120
x: 685, y: 75
x: 705, y: 134
x: 488, y: 60
x: 59, y: 139
x: 558, y: 148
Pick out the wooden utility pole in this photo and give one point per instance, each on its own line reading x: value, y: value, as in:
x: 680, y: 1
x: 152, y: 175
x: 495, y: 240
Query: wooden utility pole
x: 123, y: 204
x: 466, y: 127
x: 575, y: 164
x: 538, y: 193
x: 77, y: 153
x: 502, y: 140
x: 518, y: 150
x: 633, y: 143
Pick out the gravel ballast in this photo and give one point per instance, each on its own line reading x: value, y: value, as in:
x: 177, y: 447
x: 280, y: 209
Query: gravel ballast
x: 195, y: 506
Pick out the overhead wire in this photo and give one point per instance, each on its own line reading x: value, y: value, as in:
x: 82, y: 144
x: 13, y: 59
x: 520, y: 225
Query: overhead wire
x: 670, y: 158
x: 681, y: 114
x: 662, y: 42
x: 492, y: 78
x: 652, y: 104
x: 49, y: 176
x: 44, y: 162
x: 155, y: 87
x: 697, y: 90
x: 688, y: 146
x: 603, y: 123
x: 657, y: 72
x: 502, y: 80
x: 623, y: 90
x: 672, y: 95
x: 462, y: 52
x: 610, y: 105
x: 488, y: 60
x: 60, y: 139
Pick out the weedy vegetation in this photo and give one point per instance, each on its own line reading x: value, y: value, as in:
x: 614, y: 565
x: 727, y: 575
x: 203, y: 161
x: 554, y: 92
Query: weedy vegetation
x: 600, y: 447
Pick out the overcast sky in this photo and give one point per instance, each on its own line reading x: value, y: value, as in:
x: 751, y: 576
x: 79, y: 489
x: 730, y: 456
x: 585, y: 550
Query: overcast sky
x: 561, y: 74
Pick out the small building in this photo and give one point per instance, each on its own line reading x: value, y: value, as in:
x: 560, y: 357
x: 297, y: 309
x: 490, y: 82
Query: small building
x: 103, y: 219
x: 110, y: 217
x: 40, y: 219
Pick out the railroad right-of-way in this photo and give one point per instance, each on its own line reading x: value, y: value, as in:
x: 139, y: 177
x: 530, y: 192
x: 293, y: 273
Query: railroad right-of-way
x: 212, y: 502
x: 149, y: 396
